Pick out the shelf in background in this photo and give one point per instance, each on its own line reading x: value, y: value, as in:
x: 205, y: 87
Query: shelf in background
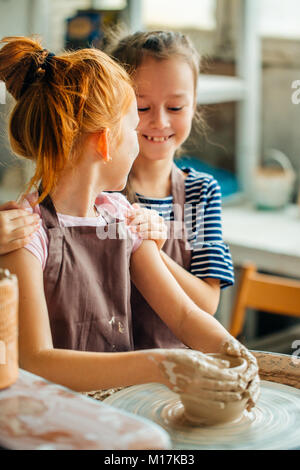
x: 213, y: 89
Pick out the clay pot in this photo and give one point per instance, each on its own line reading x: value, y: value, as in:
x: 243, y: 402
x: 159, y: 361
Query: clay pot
x: 272, y: 187
x: 198, y: 410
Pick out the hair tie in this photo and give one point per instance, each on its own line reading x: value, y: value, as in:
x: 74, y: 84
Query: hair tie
x: 47, y: 62
x: 31, y: 74
x: 152, y: 44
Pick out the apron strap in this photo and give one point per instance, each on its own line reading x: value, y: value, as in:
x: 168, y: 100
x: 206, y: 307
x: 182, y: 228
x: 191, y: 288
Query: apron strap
x: 48, y: 211
x: 178, y: 192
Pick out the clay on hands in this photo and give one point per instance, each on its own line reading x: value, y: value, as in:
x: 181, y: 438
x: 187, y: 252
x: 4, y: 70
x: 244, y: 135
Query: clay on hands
x: 210, y: 391
x: 251, y: 381
x: 195, y: 373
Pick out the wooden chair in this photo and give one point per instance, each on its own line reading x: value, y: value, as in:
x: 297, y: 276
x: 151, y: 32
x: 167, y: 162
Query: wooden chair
x: 264, y: 292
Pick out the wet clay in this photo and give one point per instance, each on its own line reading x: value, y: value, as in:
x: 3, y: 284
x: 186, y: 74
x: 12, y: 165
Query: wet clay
x: 273, y: 424
x: 204, y: 409
x: 36, y: 414
x: 174, y: 415
x: 213, y: 389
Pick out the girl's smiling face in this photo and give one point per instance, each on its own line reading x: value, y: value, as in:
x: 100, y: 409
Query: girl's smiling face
x: 166, y: 105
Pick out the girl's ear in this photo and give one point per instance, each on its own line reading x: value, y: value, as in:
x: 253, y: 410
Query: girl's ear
x: 102, y: 145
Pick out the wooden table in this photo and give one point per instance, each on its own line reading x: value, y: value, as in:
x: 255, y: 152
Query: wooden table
x: 280, y: 368
x: 36, y: 414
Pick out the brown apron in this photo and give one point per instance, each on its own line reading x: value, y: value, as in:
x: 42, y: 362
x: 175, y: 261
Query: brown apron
x: 149, y: 331
x: 87, y: 285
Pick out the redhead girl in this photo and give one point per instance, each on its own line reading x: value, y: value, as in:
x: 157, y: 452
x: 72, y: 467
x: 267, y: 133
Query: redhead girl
x: 164, y: 67
x: 76, y: 117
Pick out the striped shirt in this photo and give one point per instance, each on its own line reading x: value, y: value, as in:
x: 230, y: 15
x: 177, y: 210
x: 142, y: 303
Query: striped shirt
x: 211, y: 257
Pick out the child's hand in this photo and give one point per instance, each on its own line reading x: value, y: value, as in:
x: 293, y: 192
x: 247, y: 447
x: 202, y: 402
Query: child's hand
x: 197, y: 374
x: 16, y: 227
x: 149, y: 224
x: 232, y: 347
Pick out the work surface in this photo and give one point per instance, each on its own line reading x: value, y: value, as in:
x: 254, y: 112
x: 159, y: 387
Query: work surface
x: 268, y: 238
x: 266, y: 427
x: 36, y: 414
x: 273, y: 424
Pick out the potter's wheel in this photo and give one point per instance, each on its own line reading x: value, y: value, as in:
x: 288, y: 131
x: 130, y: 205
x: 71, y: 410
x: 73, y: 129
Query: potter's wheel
x: 273, y: 424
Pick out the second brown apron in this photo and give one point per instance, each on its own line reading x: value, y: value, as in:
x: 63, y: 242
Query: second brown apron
x: 149, y: 331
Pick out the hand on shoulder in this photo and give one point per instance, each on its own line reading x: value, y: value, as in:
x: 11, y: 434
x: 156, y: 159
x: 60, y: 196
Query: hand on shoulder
x: 17, y: 226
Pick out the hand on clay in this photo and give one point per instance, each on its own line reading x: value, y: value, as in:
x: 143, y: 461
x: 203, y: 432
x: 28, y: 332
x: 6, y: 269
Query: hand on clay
x: 16, y: 227
x: 250, y: 378
x: 148, y: 223
x: 197, y: 374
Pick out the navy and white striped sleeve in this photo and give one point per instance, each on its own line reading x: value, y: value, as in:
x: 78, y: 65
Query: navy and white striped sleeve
x: 211, y: 257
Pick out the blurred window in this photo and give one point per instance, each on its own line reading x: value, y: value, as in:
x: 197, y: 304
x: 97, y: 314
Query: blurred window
x: 280, y: 18
x: 179, y: 13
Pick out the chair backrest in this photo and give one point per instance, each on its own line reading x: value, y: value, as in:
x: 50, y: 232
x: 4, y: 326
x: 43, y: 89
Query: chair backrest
x: 264, y: 292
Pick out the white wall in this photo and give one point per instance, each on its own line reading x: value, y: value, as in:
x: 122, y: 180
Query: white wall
x: 280, y: 117
x: 14, y: 18
x: 43, y: 17
x: 60, y: 10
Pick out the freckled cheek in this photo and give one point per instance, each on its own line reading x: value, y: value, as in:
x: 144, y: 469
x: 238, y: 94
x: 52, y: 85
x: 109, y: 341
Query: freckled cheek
x: 181, y: 131
x: 184, y: 126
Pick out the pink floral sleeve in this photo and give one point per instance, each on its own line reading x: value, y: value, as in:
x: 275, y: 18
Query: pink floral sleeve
x: 38, y: 245
x: 118, y: 205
